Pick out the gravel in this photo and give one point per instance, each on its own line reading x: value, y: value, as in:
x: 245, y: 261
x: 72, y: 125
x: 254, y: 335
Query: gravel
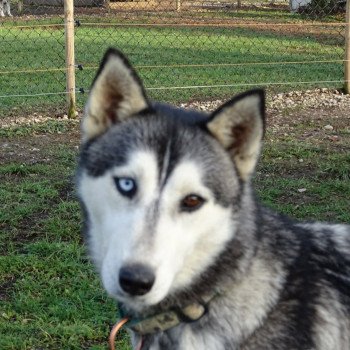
x: 310, y: 99
x: 316, y: 98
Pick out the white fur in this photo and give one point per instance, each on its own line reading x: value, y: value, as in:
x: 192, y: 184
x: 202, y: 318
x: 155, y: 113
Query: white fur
x: 331, y: 329
x: 115, y: 220
x: 120, y: 234
x: 207, y: 340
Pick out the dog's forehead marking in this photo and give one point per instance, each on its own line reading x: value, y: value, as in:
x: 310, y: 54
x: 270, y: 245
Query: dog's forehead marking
x: 137, y: 161
x: 185, y: 177
x: 165, y: 165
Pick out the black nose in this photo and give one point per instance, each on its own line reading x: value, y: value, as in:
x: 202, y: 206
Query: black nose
x: 136, y: 279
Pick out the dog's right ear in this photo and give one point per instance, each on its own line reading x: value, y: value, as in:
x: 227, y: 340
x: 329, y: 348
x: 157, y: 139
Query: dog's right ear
x: 116, y: 94
x: 239, y: 126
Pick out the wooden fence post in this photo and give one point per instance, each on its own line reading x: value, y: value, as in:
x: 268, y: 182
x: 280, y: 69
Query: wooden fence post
x: 70, y: 60
x: 178, y: 5
x: 347, y: 49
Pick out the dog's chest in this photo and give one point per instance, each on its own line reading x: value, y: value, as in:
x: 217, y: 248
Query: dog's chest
x: 184, y: 338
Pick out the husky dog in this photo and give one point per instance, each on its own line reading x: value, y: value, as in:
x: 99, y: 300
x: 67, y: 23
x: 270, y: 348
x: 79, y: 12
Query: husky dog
x: 5, y: 8
x: 179, y: 239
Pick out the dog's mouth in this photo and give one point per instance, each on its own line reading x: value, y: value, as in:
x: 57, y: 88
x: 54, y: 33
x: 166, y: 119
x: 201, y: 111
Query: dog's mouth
x: 139, y: 303
x: 135, y: 306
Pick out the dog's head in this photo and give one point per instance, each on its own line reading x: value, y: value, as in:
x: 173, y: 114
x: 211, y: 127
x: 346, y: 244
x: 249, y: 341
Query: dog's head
x: 160, y: 187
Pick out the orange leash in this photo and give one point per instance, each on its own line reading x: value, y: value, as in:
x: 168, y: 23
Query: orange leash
x: 116, y: 328
x: 114, y: 332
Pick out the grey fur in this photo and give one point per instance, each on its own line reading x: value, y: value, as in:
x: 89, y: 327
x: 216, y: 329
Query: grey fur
x: 280, y: 284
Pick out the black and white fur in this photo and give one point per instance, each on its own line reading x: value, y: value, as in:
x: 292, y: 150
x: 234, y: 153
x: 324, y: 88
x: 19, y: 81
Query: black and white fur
x: 5, y: 8
x: 278, y: 284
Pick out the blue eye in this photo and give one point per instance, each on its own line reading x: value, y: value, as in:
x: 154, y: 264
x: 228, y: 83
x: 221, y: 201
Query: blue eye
x: 126, y: 186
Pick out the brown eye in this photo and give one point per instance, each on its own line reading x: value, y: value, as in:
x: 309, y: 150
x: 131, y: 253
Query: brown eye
x: 191, y: 202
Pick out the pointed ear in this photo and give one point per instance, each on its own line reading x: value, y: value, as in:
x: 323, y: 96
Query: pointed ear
x: 116, y: 94
x: 239, y: 126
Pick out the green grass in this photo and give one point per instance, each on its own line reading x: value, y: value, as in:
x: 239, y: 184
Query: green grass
x: 49, y: 294
x: 43, y: 48
x: 323, y: 174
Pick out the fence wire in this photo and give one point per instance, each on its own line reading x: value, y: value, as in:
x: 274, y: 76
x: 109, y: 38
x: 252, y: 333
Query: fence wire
x: 183, y: 50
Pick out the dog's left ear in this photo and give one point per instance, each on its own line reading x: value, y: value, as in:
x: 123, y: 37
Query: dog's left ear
x: 239, y: 126
x: 116, y: 94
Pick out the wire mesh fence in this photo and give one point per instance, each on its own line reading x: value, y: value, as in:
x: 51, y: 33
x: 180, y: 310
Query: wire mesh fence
x: 182, y: 49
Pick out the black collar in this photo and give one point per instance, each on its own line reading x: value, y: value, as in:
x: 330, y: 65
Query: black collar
x: 170, y: 318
